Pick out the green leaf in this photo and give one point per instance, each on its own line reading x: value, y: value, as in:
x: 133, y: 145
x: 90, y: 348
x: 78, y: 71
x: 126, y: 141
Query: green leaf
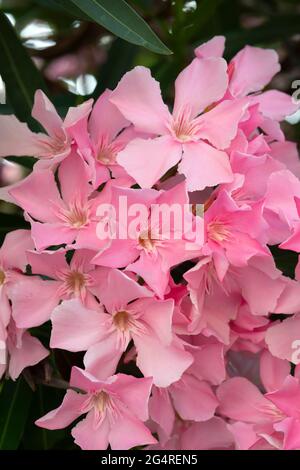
x: 10, y: 222
x: 122, y: 20
x: 44, y: 400
x: 15, y: 400
x: 19, y: 73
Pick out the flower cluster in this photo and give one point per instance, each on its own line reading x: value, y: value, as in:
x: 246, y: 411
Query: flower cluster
x: 186, y: 343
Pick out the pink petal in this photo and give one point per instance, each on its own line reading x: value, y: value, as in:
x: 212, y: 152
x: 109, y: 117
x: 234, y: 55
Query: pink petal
x: 273, y: 371
x: 220, y: 125
x: 193, y: 399
x: 211, y: 435
x: 46, y: 235
x: 253, y: 69
x: 161, y: 410
x: 118, y: 253
x: 14, y: 247
x: 276, y: 105
x: 48, y: 263
x: 165, y: 364
x: 65, y: 414
x: 158, y: 316
x: 128, y: 432
x: 134, y: 393
x: 17, y: 140
x: 291, y: 429
x: 89, y: 437
x: 106, y: 121
x: 73, y: 179
x: 148, y: 160
x: 115, y: 289
x: 29, y: 354
x: 138, y: 97
x: 194, y: 88
x: 33, y: 301
x: 287, y: 398
x: 102, y: 358
x: 75, y: 328
x: 204, y: 166
x: 45, y: 113
x: 242, y: 401
x: 212, y: 48
x: 283, y: 339
x: 36, y: 194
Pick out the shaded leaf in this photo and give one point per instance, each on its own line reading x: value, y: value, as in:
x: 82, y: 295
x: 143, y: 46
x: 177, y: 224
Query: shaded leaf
x: 15, y: 400
x: 122, y: 20
x: 19, y: 73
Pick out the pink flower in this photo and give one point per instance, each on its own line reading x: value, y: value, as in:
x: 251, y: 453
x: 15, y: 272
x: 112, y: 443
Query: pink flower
x: 13, y: 263
x: 34, y: 299
x: 22, y: 350
x: 157, y: 244
x: 115, y: 410
x: 234, y: 234
x: 56, y: 218
x: 105, y: 134
x: 182, y: 137
x: 274, y: 416
x: 189, y: 398
x: 129, y: 315
x: 16, y: 138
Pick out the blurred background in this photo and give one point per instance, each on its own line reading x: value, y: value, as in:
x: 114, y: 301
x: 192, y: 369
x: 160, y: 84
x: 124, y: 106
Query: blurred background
x: 73, y: 50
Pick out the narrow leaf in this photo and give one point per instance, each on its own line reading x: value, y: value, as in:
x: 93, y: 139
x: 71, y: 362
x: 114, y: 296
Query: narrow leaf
x: 122, y: 20
x: 18, y: 72
x: 15, y: 399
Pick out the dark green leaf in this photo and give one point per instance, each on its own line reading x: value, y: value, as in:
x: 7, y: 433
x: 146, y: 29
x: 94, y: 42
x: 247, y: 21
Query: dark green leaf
x: 15, y: 400
x: 19, y: 73
x: 44, y: 400
x: 122, y: 20
x: 10, y: 222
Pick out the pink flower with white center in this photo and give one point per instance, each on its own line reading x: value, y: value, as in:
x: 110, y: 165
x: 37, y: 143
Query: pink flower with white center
x: 21, y: 350
x: 129, y: 315
x: 115, y: 410
x: 13, y: 262
x: 157, y: 244
x: 34, y: 299
x: 190, y: 135
x: 106, y: 133
x: 51, y: 148
x: 274, y: 416
x: 234, y: 233
x: 59, y: 217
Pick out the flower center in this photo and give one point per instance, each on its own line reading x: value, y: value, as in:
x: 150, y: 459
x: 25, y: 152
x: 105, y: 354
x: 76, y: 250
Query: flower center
x: 106, y: 155
x: 184, y: 128
x: 77, y: 216
x: 75, y: 281
x: 146, y: 241
x: 2, y: 277
x: 218, y: 231
x: 100, y: 401
x: 121, y: 320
